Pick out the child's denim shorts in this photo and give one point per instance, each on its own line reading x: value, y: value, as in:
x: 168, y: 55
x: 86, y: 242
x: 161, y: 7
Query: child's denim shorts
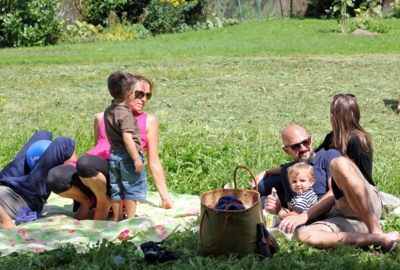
x: 125, y: 182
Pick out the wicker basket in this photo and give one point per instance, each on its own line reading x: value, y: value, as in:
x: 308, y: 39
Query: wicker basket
x: 224, y: 231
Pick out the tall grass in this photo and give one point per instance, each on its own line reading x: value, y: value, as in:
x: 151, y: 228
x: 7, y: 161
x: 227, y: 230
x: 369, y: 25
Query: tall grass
x: 222, y: 99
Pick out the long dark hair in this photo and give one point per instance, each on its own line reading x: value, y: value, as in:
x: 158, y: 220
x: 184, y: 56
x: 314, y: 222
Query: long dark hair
x: 345, y: 123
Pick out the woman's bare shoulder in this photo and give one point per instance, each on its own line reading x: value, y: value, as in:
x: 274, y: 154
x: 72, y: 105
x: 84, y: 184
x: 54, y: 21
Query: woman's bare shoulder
x: 99, y: 115
x: 151, y: 119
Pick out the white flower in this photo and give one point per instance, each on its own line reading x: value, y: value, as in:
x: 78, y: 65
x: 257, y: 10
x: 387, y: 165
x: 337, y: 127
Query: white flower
x: 218, y: 22
x: 210, y: 24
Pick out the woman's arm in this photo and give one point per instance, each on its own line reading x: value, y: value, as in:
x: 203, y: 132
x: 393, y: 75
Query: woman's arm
x: 97, y: 120
x: 154, y: 163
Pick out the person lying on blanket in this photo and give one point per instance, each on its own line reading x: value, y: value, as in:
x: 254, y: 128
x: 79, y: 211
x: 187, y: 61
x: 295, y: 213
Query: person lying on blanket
x: 22, y: 186
x: 88, y: 178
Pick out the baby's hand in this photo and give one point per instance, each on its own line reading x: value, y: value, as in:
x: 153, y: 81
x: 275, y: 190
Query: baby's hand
x: 138, y: 165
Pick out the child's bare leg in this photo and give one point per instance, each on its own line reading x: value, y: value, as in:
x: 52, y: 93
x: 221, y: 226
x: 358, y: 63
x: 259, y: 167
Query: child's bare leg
x: 130, y: 208
x: 117, y: 209
x: 5, y: 220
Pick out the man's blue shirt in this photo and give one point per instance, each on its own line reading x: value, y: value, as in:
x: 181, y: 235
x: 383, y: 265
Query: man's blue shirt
x: 320, y: 163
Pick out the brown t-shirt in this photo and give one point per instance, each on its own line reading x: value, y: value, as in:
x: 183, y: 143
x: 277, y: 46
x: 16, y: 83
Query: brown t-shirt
x: 119, y: 119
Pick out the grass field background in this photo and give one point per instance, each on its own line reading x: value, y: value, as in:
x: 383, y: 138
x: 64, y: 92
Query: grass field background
x: 223, y: 97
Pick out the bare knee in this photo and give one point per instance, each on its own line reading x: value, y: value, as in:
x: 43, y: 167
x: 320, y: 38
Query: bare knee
x: 338, y: 164
x: 341, y: 166
x: 305, y: 234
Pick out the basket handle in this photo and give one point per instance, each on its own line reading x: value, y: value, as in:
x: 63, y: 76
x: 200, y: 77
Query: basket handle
x: 220, y: 234
x: 244, y: 167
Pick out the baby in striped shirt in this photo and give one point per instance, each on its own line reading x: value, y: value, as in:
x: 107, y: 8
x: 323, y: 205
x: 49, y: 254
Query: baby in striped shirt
x: 301, y: 177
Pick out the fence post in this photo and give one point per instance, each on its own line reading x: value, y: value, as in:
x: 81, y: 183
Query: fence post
x: 270, y: 4
x: 259, y: 8
x: 240, y: 10
x: 280, y: 2
x: 218, y: 9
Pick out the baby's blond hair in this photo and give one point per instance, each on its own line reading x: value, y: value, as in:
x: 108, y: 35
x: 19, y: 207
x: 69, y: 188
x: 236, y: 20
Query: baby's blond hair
x: 299, y: 167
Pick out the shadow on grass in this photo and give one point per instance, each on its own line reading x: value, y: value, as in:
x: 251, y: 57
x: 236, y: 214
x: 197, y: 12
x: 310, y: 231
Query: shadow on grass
x: 392, y: 103
x: 329, y: 31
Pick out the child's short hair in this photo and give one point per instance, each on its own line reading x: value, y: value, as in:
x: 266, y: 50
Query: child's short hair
x: 119, y: 83
x: 299, y: 167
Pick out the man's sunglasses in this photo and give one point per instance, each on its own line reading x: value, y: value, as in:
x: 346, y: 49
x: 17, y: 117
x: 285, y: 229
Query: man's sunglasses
x: 140, y: 94
x: 342, y: 95
x: 296, y: 146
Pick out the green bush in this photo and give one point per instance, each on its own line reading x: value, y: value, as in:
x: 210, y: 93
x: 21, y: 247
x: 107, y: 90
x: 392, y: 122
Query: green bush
x: 79, y: 32
x: 366, y: 19
x: 394, y: 9
x: 196, y: 11
x: 29, y: 23
x: 122, y: 30
x: 97, y: 11
x: 163, y: 15
x: 324, y: 9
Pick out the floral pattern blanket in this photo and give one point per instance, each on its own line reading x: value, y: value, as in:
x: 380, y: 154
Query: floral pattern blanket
x: 57, y: 227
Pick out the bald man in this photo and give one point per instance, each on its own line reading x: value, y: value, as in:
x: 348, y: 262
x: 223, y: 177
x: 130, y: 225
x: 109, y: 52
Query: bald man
x: 354, y: 219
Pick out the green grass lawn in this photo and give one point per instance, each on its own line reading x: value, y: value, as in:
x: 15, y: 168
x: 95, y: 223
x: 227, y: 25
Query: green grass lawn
x: 223, y: 97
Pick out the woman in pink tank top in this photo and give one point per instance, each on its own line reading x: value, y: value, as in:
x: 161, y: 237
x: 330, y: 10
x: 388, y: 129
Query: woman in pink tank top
x: 148, y: 127
x: 92, y: 167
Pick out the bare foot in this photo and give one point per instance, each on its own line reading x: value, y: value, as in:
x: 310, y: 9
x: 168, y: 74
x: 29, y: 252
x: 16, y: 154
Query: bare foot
x: 84, y: 209
x: 102, y: 209
x: 391, y: 239
x: 167, y: 204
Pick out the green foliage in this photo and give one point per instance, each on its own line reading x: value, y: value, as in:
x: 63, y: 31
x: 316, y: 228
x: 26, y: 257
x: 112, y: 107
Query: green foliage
x: 97, y: 11
x: 79, y: 32
x: 122, y: 30
x: 81, y: 29
x: 366, y: 18
x: 341, y: 7
x: 195, y: 11
x: 230, y: 22
x: 103, y: 255
x: 324, y: 8
x: 163, y: 15
x: 29, y: 23
x: 394, y: 9
x: 218, y: 104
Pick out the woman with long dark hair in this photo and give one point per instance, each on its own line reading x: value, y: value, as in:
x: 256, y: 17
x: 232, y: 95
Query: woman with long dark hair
x: 348, y: 137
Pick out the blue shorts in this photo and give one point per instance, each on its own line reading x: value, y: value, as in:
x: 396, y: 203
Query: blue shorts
x: 125, y: 182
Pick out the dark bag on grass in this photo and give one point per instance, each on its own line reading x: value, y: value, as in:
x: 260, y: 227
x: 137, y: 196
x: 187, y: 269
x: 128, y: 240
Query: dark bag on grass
x: 224, y: 231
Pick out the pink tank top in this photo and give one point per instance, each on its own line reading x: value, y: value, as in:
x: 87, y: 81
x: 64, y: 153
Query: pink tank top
x: 102, y: 148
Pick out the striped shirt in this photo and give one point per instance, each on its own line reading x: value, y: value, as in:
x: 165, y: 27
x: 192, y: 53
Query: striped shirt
x: 304, y: 200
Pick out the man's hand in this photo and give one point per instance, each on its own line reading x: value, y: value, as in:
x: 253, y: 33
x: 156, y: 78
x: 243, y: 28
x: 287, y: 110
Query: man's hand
x: 259, y: 177
x: 290, y: 223
x: 272, y: 203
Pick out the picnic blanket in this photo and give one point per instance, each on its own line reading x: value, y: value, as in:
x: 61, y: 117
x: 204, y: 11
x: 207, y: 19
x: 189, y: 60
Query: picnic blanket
x: 58, y: 227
